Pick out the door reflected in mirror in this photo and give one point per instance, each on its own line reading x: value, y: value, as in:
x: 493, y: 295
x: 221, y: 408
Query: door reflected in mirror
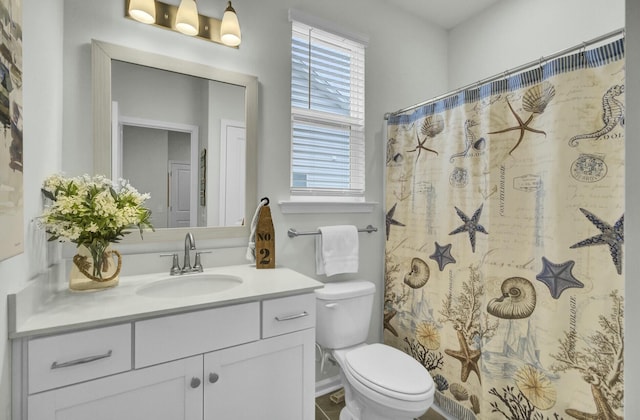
x: 165, y: 175
x: 182, y: 139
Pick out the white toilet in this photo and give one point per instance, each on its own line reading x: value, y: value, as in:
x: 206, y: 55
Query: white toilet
x: 380, y: 382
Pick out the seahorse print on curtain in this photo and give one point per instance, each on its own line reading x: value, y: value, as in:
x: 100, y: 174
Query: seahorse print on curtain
x: 504, y: 249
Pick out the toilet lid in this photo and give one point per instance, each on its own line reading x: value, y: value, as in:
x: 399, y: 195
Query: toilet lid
x: 389, y: 371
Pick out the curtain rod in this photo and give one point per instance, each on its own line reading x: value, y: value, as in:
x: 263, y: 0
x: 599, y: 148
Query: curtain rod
x: 509, y: 72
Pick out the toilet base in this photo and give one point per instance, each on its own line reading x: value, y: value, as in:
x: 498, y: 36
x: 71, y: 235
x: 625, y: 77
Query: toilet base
x: 359, y: 407
x: 367, y: 414
x: 346, y: 414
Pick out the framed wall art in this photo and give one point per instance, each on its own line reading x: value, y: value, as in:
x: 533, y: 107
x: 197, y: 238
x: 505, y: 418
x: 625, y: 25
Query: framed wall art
x: 11, y: 150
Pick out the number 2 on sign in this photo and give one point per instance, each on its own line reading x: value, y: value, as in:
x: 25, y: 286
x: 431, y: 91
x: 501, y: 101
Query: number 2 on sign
x: 265, y: 256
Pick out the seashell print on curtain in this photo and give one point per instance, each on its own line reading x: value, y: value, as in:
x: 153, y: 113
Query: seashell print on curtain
x: 504, y: 242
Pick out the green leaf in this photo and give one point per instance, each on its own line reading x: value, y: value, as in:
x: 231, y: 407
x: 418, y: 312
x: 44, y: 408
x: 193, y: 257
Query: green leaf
x: 48, y: 194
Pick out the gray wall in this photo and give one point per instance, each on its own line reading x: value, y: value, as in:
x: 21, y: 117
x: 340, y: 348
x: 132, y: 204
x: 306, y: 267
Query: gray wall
x: 151, y: 147
x: 142, y: 92
x: 512, y: 33
x: 632, y: 225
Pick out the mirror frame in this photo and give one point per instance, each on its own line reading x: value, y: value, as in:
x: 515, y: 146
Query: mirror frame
x: 102, y: 53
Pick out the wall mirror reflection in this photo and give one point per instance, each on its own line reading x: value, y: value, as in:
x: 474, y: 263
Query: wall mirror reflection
x: 183, y: 132
x: 163, y: 133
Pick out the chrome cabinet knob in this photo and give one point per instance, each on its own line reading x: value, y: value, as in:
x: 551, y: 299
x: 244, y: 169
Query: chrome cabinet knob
x: 195, y: 382
x: 213, y: 378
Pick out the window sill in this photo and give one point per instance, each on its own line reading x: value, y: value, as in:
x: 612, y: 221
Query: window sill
x: 326, y: 207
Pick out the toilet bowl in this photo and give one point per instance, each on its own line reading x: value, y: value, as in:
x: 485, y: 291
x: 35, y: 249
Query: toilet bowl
x: 380, y: 382
x: 385, y: 383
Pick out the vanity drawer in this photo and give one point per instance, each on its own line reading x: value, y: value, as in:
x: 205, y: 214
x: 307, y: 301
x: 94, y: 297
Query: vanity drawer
x: 173, y: 337
x: 65, y: 359
x: 288, y: 314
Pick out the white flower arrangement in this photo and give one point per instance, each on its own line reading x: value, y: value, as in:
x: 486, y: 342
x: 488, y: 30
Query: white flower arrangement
x: 92, y: 211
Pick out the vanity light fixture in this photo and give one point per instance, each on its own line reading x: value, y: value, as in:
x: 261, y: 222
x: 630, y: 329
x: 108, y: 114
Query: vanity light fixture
x: 185, y: 19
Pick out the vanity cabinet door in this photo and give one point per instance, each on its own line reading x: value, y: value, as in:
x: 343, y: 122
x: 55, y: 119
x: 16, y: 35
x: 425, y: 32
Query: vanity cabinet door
x: 163, y: 392
x: 270, y: 379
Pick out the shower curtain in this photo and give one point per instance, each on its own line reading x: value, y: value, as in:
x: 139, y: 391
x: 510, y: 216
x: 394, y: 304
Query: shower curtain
x: 504, y: 272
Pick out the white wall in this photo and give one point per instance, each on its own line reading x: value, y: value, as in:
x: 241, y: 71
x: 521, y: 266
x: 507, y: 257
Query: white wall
x: 265, y: 53
x: 515, y: 32
x: 42, y: 129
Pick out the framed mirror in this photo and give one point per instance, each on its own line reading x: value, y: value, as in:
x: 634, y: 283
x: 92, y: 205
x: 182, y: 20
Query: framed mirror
x: 183, y: 131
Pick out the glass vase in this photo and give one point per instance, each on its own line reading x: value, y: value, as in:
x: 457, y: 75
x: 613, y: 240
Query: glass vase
x: 95, y: 267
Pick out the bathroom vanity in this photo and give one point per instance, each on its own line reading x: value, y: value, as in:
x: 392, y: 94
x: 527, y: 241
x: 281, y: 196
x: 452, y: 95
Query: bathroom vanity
x: 246, y: 352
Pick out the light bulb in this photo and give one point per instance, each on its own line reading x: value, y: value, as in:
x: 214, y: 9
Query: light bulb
x: 230, y: 28
x: 143, y: 11
x: 187, y: 18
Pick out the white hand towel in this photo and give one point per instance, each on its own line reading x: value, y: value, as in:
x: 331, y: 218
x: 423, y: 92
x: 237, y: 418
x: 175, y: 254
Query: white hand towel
x: 337, y: 250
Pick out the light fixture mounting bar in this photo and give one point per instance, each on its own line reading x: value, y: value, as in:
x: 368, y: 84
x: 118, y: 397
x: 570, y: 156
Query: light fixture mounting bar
x: 166, y: 18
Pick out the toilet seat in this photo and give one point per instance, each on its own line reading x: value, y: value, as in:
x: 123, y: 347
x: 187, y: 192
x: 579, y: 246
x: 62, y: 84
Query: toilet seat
x: 390, y: 372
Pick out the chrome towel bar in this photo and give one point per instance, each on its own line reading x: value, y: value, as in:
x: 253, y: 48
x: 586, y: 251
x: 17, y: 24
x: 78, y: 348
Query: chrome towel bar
x: 293, y: 233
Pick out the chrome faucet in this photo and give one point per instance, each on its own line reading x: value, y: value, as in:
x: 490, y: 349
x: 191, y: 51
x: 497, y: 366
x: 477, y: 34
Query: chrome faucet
x: 189, y: 244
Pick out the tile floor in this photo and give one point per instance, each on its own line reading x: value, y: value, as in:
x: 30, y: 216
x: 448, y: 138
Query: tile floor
x: 328, y: 410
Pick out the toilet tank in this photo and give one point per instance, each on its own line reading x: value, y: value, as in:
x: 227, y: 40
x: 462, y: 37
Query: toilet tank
x: 343, y: 313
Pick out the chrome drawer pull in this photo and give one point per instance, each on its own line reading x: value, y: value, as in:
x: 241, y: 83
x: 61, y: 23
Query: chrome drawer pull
x: 290, y: 317
x: 56, y: 365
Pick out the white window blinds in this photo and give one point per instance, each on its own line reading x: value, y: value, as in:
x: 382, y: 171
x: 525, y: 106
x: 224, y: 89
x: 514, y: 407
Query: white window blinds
x: 327, y: 111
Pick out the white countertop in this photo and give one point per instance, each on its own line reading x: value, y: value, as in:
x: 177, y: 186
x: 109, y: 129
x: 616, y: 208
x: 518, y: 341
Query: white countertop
x: 65, y: 310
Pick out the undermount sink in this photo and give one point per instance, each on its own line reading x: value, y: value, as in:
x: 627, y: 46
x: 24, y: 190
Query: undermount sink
x: 189, y: 285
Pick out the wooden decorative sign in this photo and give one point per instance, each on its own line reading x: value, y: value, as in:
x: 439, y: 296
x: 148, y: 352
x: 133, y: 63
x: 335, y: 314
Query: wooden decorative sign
x: 265, y: 240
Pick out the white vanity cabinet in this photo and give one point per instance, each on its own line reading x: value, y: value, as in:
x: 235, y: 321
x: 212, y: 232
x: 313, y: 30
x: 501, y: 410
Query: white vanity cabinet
x: 270, y: 379
x: 162, y: 392
x: 248, y: 361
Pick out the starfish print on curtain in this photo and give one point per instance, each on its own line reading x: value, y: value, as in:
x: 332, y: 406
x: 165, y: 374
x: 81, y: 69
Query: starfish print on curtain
x: 390, y: 221
x: 442, y: 256
x: 558, y: 277
x: 611, y: 235
x: 535, y: 100
x: 432, y: 126
x: 470, y: 225
x: 468, y: 357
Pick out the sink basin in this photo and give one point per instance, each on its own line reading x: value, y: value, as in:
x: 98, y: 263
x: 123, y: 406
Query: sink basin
x: 189, y: 285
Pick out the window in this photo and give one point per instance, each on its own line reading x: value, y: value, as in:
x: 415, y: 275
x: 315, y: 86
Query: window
x: 327, y: 114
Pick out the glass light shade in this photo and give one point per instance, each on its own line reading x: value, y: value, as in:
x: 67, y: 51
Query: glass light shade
x: 230, y: 28
x: 143, y: 10
x: 187, y: 18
